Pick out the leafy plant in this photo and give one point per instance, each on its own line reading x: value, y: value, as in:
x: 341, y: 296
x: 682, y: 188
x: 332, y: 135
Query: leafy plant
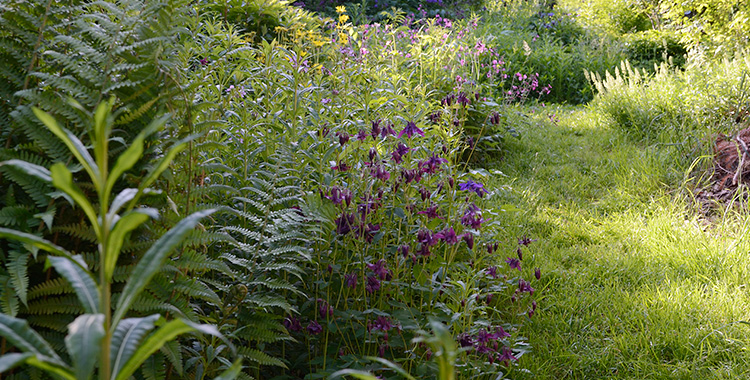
x: 102, y: 337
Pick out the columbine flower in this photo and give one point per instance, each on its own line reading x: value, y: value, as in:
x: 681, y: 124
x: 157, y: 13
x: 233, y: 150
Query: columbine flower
x: 432, y: 164
x: 411, y: 175
x: 372, y: 154
x: 343, y: 137
x: 410, y: 130
x: 375, y: 129
x: 342, y: 166
x: 424, y: 193
x: 344, y: 223
x: 292, y: 324
x: 380, y: 270
x: 380, y: 173
x: 513, y: 263
x: 424, y: 250
x: 324, y: 309
x: 469, y: 239
x: 369, y: 231
x: 465, y: 340
x: 351, y: 280
x: 387, y: 131
x: 476, y: 187
x: 314, y: 328
x: 492, y: 272
x: 519, y: 252
x: 381, y: 323
x: 361, y: 135
x: 525, y: 240
x: 472, y: 217
x: 431, y: 212
x: 538, y: 273
x: 425, y: 237
x: 373, y: 284
x: 448, y: 235
x: 524, y: 286
x: 404, y: 250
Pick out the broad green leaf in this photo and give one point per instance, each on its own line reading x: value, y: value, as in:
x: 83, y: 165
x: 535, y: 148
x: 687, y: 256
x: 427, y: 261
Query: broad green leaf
x: 354, y: 373
x: 82, y: 281
x: 126, y: 339
x: 125, y: 161
x: 63, y: 180
x: 84, y: 343
x: 20, y: 335
x: 10, y: 361
x: 392, y: 366
x: 60, y: 370
x: 164, y: 334
x: 232, y: 372
x: 33, y: 170
x: 121, y: 199
x: 120, y: 231
x: 34, y: 241
x: 152, y: 260
x: 73, y: 143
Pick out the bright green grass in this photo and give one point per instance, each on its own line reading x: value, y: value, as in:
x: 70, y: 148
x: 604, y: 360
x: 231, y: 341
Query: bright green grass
x: 636, y: 286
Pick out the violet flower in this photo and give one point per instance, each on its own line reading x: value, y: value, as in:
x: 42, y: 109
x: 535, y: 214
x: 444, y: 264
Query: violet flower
x: 448, y: 235
x: 432, y: 164
x: 380, y: 270
x: 387, y: 131
x: 380, y: 173
x: 361, y: 135
x: 513, y: 263
x: 314, y: 328
x: 469, y: 239
x: 324, y: 309
x: 410, y: 130
x: 431, y: 212
x: 492, y: 272
x: 373, y: 284
x: 343, y: 137
x: 292, y: 324
x: 351, y: 280
x: 476, y: 187
x: 525, y: 240
x: 344, y: 223
x: 375, y: 129
x: 538, y: 273
x: 524, y: 286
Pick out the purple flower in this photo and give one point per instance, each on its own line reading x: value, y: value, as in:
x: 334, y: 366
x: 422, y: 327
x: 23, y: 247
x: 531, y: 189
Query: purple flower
x: 513, y: 263
x: 402, y: 149
x: 492, y: 272
x: 373, y: 284
x: 324, y: 309
x: 424, y: 250
x: 369, y: 231
x: 472, y: 217
x: 519, y: 252
x: 432, y: 164
x: 375, y: 129
x: 538, y: 273
x: 507, y: 355
x: 351, y: 280
x: 424, y: 193
x: 469, y: 239
x: 372, y: 154
x: 410, y: 130
x: 314, y: 328
x: 380, y: 270
x: 476, y: 187
x: 380, y: 173
x: 361, y: 135
x: 387, y: 131
x: 343, y: 137
x: 344, y: 223
x: 411, y: 175
x: 340, y: 195
x: 448, y: 235
x: 381, y: 323
x: 342, y: 166
x: 426, y: 238
x: 465, y: 340
x: 524, y: 286
x: 404, y: 250
x: 500, y: 333
x: 204, y: 61
x: 292, y: 324
x: 431, y: 212
x: 525, y: 240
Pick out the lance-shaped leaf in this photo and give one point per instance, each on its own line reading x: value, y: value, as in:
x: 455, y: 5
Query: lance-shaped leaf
x: 84, y: 343
x: 10, y: 361
x: 362, y: 375
x: 33, y: 170
x: 122, y: 198
x: 152, y: 260
x: 82, y: 281
x: 20, y: 335
x: 63, y: 180
x: 34, y: 241
x: 119, y: 232
x: 153, y: 343
x: 126, y: 338
x: 160, y: 167
x: 73, y: 143
x: 232, y: 372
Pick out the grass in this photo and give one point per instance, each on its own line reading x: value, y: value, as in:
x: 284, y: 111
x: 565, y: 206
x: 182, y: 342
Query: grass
x: 637, y: 285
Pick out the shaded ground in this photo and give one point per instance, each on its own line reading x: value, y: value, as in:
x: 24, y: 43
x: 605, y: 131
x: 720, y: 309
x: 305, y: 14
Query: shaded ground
x: 637, y: 287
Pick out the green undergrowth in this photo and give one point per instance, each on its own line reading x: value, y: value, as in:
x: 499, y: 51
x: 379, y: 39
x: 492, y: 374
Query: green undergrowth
x: 637, y: 286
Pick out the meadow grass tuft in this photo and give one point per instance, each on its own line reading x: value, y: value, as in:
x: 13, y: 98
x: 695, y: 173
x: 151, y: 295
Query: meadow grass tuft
x: 637, y: 286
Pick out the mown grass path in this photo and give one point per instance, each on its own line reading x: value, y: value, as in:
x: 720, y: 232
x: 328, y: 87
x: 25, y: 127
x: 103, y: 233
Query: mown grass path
x: 638, y: 286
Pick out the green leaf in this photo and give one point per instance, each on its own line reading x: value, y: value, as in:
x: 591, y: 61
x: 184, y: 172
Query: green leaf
x: 20, y: 335
x: 34, y: 241
x: 10, y: 361
x: 126, y: 161
x: 121, y: 199
x: 33, y: 170
x: 126, y: 338
x: 153, y: 343
x: 152, y: 260
x: 117, y: 237
x: 231, y: 372
x: 84, y: 343
x: 8, y: 300
x: 354, y: 373
x: 172, y: 350
x: 18, y: 271
x: 160, y: 167
x: 51, y: 367
x: 73, y: 143
x: 74, y: 270
x: 392, y: 366
x: 63, y: 180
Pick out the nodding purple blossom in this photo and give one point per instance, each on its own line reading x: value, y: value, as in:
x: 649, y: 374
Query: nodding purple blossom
x: 380, y: 323
x: 426, y: 238
x: 465, y: 340
x: 380, y: 173
x: 424, y: 250
x: 472, y: 217
x: 341, y: 166
x: 519, y: 252
x: 375, y: 131
x: 506, y: 356
x: 404, y: 250
x: 538, y: 273
x: 343, y: 137
x: 424, y: 193
x: 361, y: 135
x: 525, y: 240
x: 494, y: 118
x: 339, y: 196
x: 435, y: 117
x: 204, y: 61
x: 324, y: 309
x: 372, y: 154
x: 513, y: 263
x: 345, y: 223
x: 524, y: 286
x: 447, y: 235
x: 469, y: 239
x: 463, y: 100
x: 380, y: 270
x: 476, y: 187
x: 369, y: 231
x: 492, y: 272
x: 431, y: 212
x: 401, y: 151
x: 387, y: 131
x: 448, y: 100
x: 411, y: 175
x: 314, y: 328
x: 372, y: 285
x: 432, y: 164
x: 292, y: 324
x: 410, y: 130
x: 351, y: 280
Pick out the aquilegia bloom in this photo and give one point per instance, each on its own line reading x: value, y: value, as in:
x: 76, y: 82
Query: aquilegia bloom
x: 476, y: 187
x: 410, y: 130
